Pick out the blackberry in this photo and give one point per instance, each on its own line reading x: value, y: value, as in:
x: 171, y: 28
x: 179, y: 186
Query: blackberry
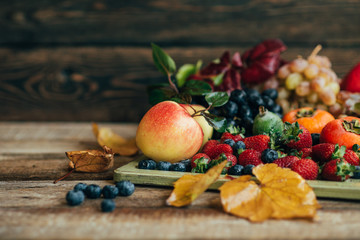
x: 80, y: 187
x: 271, y: 93
x: 74, y: 198
x: 315, y: 138
x: 187, y: 163
x: 230, y: 109
x: 178, y: 167
x: 107, y: 205
x: 269, y: 155
x: 248, y: 169
x: 237, y: 146
x: 236, y: 170
x: 126, y: 188
x: 238, y: 96
x: 110, y: 191
x: 230, y: 142
x: 163, y: 166
x: 93, y: 191
x: 356, y: 172
x: 147, y: 164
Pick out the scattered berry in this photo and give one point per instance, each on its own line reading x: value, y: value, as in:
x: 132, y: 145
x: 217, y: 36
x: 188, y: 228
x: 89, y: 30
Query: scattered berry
x: 286, y: 162
x: 269, y: 155
x: 93, y: 191
x: 248, y: 169
x: 126, y: 188
x: 107, y: 205
x: 74, y: 198
x: 178, y: 167
x: 236, y: 170
x: 257, y: 142
x: 229, y: 142
x: 80, y: 187
x: 187, y: 163
x: 250, y: 156
x: 163, y: 166
x: 240, y: 145
x: 110, y: 191
x: 147, y: 164
x: 356, y: 172
x: 306, y: 168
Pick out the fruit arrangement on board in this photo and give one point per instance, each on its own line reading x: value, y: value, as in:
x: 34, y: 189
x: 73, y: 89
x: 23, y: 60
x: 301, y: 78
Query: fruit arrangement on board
x: 253, y: 109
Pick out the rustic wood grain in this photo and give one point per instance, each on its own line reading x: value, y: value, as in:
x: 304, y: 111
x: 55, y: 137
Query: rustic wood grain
x: 102, y: 84
x: 37, y: 209
x: 186, y: 22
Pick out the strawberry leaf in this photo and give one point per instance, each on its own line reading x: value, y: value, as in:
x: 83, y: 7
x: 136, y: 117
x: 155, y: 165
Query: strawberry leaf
x: 164, y: 63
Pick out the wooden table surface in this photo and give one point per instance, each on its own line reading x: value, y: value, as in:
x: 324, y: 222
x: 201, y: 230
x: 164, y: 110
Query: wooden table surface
x: 32, y: 207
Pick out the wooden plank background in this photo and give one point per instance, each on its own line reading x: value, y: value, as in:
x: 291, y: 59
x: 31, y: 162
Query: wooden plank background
x: 90, y: 60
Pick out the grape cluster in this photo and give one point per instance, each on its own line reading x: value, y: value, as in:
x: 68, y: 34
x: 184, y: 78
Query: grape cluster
x: 243, y: 106
x: 312, y: 80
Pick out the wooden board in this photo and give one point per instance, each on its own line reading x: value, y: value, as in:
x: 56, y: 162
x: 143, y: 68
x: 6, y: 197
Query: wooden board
x: 349, y: 189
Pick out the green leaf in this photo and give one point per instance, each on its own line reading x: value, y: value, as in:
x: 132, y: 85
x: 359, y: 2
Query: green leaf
x: 218, y: 79
x: 182, y: 98
x: 217, y: 99
x: 196, y: 87
x: 163, y: 61
x: 218, y: 123
x: 158, y: 94
x: 184, y: 72
x: 357, y: 107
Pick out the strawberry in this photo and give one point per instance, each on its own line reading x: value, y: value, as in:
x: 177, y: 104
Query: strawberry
x: 322, y: 152
x: 306, y: 168
x: 250, y: 156
x: 257, y: 142
x: 351, y: 82
x: 234, y: 133
x: 351, y: 157
x: 231, y: 158
x: 286, y: 162
x: 196, y: 159
x: 209, y: 145
x: 215, y: 151
x: 296, y: 136
x: 337, y: 170
x: 224, y: 136
x: 306, y: 152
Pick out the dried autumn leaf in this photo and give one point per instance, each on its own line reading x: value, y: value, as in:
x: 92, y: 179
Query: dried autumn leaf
x: 89, y: 161
x: 119, y: 145
x: 189, y: 187
x: 282, y: 194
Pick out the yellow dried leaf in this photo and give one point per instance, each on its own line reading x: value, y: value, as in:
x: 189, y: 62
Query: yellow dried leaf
x: 281, y: 194
x: 119, y: 145
x: 189, y: 187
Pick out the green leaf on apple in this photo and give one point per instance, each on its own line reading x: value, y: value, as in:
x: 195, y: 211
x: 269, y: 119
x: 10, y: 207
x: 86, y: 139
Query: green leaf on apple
x: 218, y: 123
x: 162, y: 60
x: 185, y: 71
x: 195, y: 87
x: 217, y: 99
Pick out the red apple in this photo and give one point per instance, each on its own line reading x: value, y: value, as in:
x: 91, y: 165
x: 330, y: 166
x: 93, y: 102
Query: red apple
x: 167, y: 132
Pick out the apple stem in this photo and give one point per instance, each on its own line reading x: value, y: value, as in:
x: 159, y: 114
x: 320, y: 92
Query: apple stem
x: 172, y: 85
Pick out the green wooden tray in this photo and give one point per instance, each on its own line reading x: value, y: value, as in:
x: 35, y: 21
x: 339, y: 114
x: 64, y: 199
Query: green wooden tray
x: 349, y: 189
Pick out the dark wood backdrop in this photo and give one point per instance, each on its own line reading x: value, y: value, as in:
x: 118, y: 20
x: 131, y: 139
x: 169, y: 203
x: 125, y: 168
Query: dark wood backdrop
x: 90, y: 60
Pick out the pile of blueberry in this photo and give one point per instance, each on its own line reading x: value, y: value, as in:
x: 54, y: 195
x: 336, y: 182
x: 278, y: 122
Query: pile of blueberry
x: 243, y: 106
x: 109, y: 192
x: 182, y: 166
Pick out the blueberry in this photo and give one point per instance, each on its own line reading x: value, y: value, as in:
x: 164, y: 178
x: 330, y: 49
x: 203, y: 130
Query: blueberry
x: 187, y: 163
x: 107, y: 205
x: 230, y: 142
x: 93, y: 191
x: 230, y: 109
x: 248, y: 169
x: 178, y: 167
x: 315, y: 138
x: 251, y: 93
x: 356, y: 172
x: 256, y: 101
x: 147, y: 164
x: 80, y: 187
x: 237, y: 146
x: 268, y: 102
x: 271, y: 93
x: 269, y: 155
x: 238, y: 96
x: 75, y: 198
x: 163, y: 166
x: 276, y: 109
x: 110, y: 191
x: 126, y: 188
x: 245, y: 111
x: 236, y: 170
